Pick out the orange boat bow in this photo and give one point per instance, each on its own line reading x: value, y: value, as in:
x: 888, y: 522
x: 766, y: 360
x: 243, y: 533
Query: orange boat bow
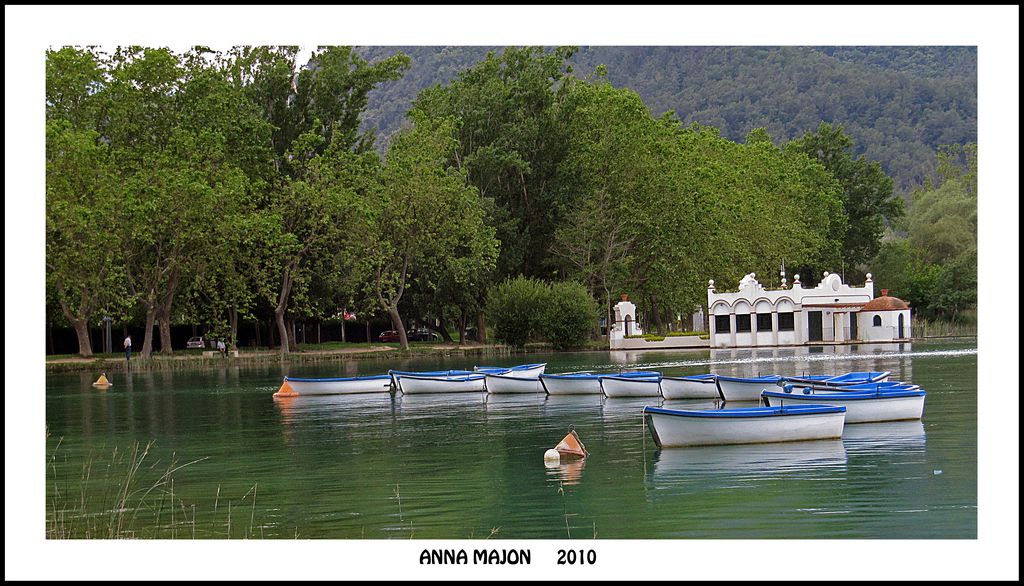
x: 286, y: 390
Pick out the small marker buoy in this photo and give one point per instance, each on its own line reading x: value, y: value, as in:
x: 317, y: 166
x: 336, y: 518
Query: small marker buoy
x: 570, y: 447
x: 286, y: 390
x: 552, y: 457
x: 102, y: 382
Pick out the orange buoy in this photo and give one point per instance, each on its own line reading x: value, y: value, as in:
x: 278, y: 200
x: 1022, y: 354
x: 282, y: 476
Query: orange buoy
x: 286, y: 390
x: 571, y: 446
x: 102, y: 382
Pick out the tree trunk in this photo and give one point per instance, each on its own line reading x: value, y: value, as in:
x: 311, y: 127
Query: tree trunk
x: 270, y: 332
x: 147, y: 340
x: 282, y: 307
x: 259, y: 342
x: 293, y: 341
x: 164, y: 321
x: 233, y: 319
x: 396, y: 322
x: 481, y: 331
x: 442, y: 330
x: 343, y: 322
x: 462, y: 326
x: 367, y: 331
x: 282, y: 330
x: 82, y: 331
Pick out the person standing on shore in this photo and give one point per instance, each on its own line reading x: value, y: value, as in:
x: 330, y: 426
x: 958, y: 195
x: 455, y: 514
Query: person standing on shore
x: 128, y: 348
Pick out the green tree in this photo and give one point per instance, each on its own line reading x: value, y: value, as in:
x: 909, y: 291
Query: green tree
x: 569, y: 314
x: 867, y: 192
x: 516, y: 309
x: 423, y: 219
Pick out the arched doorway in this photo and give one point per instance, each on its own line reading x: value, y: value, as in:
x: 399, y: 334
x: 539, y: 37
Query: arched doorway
x: 899, y: 327
x: 629, y: 325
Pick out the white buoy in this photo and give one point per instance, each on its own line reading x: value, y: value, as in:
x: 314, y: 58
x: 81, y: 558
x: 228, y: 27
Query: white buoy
x: 552, y: 455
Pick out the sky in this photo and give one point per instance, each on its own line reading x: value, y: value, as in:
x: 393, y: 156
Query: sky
x: 30, y: 30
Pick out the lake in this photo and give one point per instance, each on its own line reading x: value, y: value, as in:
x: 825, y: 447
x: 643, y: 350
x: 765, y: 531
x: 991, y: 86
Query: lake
x: 226, y: 460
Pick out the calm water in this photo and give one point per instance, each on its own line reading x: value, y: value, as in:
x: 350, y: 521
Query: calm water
x: 470, y: 465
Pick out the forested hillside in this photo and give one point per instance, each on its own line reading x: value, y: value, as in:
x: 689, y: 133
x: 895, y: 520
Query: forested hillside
x: 899, y: 104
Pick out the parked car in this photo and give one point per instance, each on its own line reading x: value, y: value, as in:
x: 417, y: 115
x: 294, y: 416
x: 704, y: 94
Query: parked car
x: 423, y: 335
x: 196, y: 342
x: 388, y: 336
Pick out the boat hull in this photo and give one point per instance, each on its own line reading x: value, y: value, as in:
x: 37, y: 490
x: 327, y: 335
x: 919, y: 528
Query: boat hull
x: 531, y: 371
x: 411, y: 385
x: 671, y: 431
x: 571, y: 386
x: 506, y: 383
x: 381, y: 384
x: 630, y: 387
x: 689, y: 388
x: 733, y: 390
x: 859, y: 410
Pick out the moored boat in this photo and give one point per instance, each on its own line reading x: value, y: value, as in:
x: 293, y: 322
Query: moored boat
x: 679, y: 428
x: 700, y: 386
x: 863, y: 387
x: 630, y: 386
x: 455, y: 383
x: 521, y: 371
x: 862, y: 406
x: 380, y: 383
x: 576, y: 383
x: 509, y: 383
x: 842, y: 380
x: 584, y: 383
x: 398, y: 375
x: 731, y: 388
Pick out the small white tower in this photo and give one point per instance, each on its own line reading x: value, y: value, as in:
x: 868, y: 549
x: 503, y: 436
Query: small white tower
x: 625, y: 320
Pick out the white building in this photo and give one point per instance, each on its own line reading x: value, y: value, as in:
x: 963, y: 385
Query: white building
x: 832, y: 312
x: 623, y: 322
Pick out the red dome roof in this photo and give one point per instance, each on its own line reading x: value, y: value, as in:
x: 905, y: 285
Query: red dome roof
x: 885, y: 303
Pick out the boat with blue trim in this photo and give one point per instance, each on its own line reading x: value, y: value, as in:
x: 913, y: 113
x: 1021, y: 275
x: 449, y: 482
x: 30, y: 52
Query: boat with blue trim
x: 754, y: 425
x: 842, y: 380
x: 864, y: 406
x: 438, y: 381
x: 584, y: 383
x: 521, y: 371
x: 699, y: 386
x: 380, y: 383
x: 614, y: 386
x: 510, y: 383
x: 732, y: 388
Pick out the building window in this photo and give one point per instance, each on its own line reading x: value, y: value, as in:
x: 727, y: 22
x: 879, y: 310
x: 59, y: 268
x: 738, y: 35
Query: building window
x: 876, y: 321
x: 786, y: 323
x: 722, y: 324
x: 743, y: 323
x: 764, y: 322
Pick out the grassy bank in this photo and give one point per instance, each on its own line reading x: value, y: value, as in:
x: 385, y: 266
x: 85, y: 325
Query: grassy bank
x: 305, y: 353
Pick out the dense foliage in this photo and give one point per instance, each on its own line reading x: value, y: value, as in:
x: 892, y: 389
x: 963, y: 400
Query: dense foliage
x: 219, y: 188
x: 898, y: 104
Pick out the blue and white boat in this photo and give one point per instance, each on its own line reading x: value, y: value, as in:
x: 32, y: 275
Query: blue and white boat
x: 510, y: 383
x: 699, y: 386
x: 584, y: 383
x: 868, y: 387
x: 861, y: 406
x: 755, y: 425
x: 438, y: 381
x: 521, y: 371
x: 732, y: 388
x: 631, y: 386
x: 842, y: 380
x: 380, y: 383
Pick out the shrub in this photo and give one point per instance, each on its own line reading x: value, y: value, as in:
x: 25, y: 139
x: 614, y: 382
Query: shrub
x: 514, y: 309
x: 569, y: 316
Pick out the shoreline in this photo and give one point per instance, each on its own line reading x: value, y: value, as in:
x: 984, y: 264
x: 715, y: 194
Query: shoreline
x: 260, y: 357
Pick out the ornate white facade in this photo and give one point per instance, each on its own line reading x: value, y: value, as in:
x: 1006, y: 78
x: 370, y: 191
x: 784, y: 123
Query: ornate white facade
x: 827, y: 314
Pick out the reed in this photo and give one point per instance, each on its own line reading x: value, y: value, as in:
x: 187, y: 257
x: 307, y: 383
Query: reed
x: 130, y: 498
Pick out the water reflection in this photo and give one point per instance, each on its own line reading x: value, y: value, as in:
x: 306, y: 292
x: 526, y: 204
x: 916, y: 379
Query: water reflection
x: 694, y: 465
x: 884, y: 437
x: 566, y: 472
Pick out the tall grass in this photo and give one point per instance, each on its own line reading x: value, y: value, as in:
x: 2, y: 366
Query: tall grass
x: 129, y: 494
